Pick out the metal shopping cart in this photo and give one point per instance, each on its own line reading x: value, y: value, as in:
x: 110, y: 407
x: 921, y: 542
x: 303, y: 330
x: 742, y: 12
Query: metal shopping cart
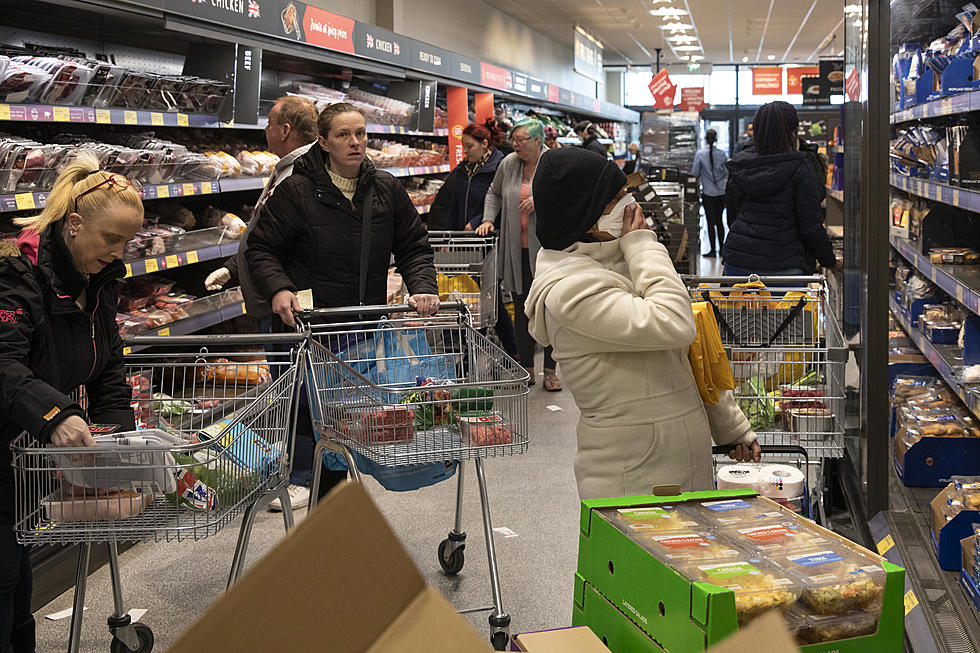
x: 368, y: 407
x: 466, y: 268
x: 794, y: 455
x: 787, y: 355
x: 216, y: 443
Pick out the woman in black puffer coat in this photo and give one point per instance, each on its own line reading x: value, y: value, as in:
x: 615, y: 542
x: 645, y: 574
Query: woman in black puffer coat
x: 774, y: 197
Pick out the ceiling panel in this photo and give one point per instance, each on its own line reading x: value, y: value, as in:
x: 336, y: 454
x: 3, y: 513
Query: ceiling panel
x: 729, y: 30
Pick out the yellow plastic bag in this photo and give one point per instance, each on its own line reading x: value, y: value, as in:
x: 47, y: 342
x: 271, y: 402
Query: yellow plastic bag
x: 461, y: 284
x: 709, y: 362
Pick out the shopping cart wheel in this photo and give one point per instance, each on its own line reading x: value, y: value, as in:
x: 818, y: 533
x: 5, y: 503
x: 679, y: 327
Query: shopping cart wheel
x: 145, y: 636
x: 499, y: 640
x: 451, y: 557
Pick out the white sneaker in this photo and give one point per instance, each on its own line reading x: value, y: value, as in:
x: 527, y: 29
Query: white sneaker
x: 299, y: 497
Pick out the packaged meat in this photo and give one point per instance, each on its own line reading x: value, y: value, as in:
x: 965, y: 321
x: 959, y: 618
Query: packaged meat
x: 730, y: 512
x: 20, y: 82
x: 836, y: 579
x: 689, y: 545
x: 484, y: 430
x: 387, y: 425
x: 759, y: 586
x: 84, y: 505
x: 650, y: 519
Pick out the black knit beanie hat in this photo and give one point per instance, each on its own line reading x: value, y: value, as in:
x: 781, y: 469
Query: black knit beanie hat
x: 571, y: 188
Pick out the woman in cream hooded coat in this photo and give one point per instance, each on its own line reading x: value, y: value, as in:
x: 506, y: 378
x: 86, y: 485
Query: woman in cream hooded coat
x: 619, y: 319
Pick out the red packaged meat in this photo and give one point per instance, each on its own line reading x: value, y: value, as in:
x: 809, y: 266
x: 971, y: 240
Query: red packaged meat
x: 386, y: 425
x: 484, y: 430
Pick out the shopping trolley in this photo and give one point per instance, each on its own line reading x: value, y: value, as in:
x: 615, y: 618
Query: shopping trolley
x: 466, y: 269
x: 788, y: 356
x: 362, y: 405
x: 794, y: 455
x: 215, y: 443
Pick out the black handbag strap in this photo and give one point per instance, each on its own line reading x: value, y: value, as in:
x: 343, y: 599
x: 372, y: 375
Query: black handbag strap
x: 366, y: 216
x: 720, y: 319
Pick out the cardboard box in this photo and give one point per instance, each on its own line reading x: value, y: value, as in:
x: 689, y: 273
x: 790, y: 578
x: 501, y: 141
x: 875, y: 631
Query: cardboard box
x: 932, y: 461
x: 947, y: 535
x: 577, y: 639
x: 340, y: 581
x: 767, y: 630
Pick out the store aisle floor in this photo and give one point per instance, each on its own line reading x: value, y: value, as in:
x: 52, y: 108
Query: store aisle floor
x: 533, y: 495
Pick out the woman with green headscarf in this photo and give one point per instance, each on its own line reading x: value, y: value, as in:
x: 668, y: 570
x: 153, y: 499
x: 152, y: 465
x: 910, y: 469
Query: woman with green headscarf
x: 509, y: 210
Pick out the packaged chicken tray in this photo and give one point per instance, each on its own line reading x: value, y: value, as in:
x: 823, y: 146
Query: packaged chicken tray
x: 686, y: 546
x: 774, y: 537
x: 650, y: 519
x: 759, y: 586
x: 836, y: 579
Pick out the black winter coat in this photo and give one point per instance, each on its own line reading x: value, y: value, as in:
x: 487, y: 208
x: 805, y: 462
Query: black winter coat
x: 49, y: 346
x: 778, y: 220
x: 593, y: 145
x: 309, y: 236
x: 460, y: 200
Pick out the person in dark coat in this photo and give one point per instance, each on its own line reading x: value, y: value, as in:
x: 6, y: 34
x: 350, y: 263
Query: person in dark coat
x: 57, y: 333
x: 590, y: 140
x: 468, y: 183
x: 741, y: 145
x: 773, y: 197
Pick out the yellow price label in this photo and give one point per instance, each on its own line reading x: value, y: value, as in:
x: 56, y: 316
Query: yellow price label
x: 910, y: 601
x: 129, y: 270
x: 24, y: 201
x: 182, y: 120
x: 243, y: 308
x: 956, y: 196
x: 61, y: 114
x: 103, y: 116
x: 172, y: 261
x: 127, y: 351
x: 156, y: 118
x: 947, y: 105
x: 152, y: 265
x: 165, y: 331
x: 4, y: 112
x: 206, y: 188
x: 129, y: 117
x: 933, y: 274
x: 265, y: 181
x: 163, y: 191
x: 192, y: 257
x: 939, y: 193
x: 885, y: 545
x: 959, y: 294
x: 188, y: 189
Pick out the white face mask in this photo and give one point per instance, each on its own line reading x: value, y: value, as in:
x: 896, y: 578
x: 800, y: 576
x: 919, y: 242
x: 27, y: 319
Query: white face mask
x: 612, y: 222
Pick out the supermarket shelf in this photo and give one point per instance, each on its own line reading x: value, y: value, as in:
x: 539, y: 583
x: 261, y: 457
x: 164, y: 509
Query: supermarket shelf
x: 836, y: 194
x: 234, y: 184
x: 417, y: 170
x: 48, y: 113
x: 180, y: 259
x: 393, y: 129
x: 575, y: 140
x: 944, y: 107
x: 940, y: 192
x: 423, y: 209
x: 960, y: 281
x: 942, y: 357
x: 193, y: 324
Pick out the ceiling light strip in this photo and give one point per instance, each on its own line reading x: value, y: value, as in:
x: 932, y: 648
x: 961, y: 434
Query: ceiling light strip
x: 731, y: 37
x: 765, y: 28
x: 826, y: 41
x: 799, y: 30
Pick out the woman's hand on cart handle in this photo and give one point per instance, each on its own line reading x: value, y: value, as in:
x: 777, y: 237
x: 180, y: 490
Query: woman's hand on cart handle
x: 72, y: 432
x: 745, y: 453
x: 485, y: 228
x: 285, y: 304
x: 424, y: 304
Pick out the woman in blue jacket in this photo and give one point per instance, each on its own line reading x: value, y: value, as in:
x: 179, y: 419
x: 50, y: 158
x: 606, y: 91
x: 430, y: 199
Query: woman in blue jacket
x: 459, y: 206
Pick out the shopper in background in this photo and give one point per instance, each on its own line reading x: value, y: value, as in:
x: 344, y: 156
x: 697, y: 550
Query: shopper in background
x: 632, y: 158
x: 607, y: 298
x: 289, y: 133
x: 551, y: 138
x: 58, y: 332
x: 590, y: 140
x: 333, y: 226
x: 747, y: 141
x: 773, y: 199
x: 509, y: 209
x: 709, y: 167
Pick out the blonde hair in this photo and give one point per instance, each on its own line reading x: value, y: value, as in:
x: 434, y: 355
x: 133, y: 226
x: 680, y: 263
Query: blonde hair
x: 80, y: 175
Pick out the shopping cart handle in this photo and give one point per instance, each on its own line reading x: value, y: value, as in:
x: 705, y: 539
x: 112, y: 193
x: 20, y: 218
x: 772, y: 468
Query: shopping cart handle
x: 213, y: 339
x: 723, y: 449
x: 374, y: 311
x: 754, y: 277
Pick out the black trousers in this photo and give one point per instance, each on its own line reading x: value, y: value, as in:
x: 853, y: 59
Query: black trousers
x: 16, y: 584
x: 525, y: 343
x: 713, y: 208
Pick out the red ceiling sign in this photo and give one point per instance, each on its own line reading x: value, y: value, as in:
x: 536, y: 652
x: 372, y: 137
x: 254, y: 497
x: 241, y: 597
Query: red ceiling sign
x: 456, y: 104
x: 852, y: 86
x: 692, y: 99
x: 328, y: 30
x: 662, y: 90
x: 794, y: 78
x: 767, y: 81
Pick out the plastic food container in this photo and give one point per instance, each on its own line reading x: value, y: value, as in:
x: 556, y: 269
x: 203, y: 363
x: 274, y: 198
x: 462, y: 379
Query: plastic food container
x: 811, y: 423
x: 817, y: 629
x: 76, y: 505
x: 385, y: 425
x: 651, y: 519
x: 731, y: 512
x: 836, y: 579
x: 759, y: 586
x: 688, y: 546
x: 485, y: 430
x: 776, y: 537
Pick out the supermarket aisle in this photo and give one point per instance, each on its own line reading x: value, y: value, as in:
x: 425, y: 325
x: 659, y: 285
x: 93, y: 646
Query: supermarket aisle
x: 533, y: 495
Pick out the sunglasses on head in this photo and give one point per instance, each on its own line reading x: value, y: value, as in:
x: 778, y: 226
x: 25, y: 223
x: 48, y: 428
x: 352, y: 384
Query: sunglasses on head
x: 115, y: 180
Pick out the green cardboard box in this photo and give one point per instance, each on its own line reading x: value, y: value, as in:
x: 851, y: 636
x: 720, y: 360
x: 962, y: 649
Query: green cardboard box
x: 681, y: 616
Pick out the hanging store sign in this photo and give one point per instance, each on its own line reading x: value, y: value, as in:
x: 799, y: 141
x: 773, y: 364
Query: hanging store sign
x: 812, y: 91
x: 588, y: 55
x: 495, y: 77
x: 852, y: 85
x: 794, y: 78
x: 482, y: 107
x: 253, y: 15
x: 380, y: 44
x: 466, y: 70
x: 767, y: 81
x: 692, y: 99
x: 662, y: 90
x: 832, y: 76
x: 328, y: 30
x: 431, y: 59
x: 457, y: 110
